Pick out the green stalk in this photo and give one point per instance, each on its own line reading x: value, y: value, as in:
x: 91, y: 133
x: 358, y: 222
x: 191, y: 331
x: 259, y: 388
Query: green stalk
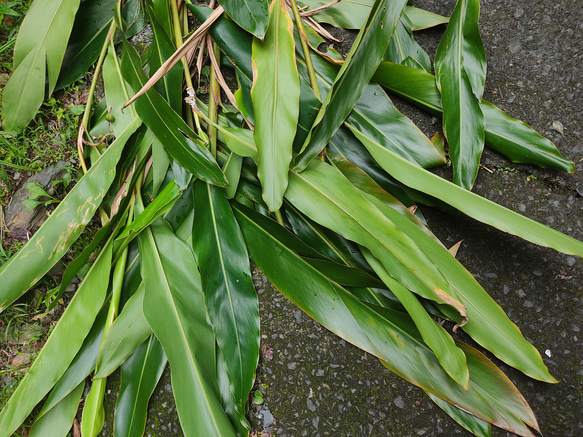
x: 179, y: 40
x: 306, y: 48
x: 214, y: 99
x: 94, y: 414
x: 89, y: 104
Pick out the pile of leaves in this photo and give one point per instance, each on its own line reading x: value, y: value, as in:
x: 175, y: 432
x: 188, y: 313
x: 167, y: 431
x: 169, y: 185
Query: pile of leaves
x: 306, y: 167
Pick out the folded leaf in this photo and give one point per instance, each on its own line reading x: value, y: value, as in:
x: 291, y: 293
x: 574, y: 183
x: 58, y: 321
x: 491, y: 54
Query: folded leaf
x: 460, y: 71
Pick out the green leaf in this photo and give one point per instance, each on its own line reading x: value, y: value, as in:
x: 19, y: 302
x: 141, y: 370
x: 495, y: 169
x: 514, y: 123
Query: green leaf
x: 63, y: 227
x: 460, y: 71
x: 469, y: 203
x: 422, y: 19
x: 168, y: 126
x: 117, y: 92
x: 275, y: 94
x: 39, y: 51
x: 57, y: 422
x: 62, y: 346
x: 435, y: 336
x: 229, y: 294
x: 251, y: 15
x: 81, y: 366
x: 413, y: 258
x: 348, y: 14
x: 508, y: 136
x: 470, y: 422
x: 93, y: 417
x: 160, y: 50
x: 387, y: 334
x: 127, y: 332
x: 361, y: 63
x: 376, y: 117
x: 90, y: 28
x: 404, y: 49
x: 139, y: 376
x: 174, y: 308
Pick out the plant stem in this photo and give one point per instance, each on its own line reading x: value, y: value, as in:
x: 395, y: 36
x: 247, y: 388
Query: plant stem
x: 179, y: 40
x: 89, y: 104
x: 214, y: 97
x: 305, y: 48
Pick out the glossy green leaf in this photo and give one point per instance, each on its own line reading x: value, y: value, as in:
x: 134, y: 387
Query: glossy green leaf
x: 229, y: 294
x: 422, y: 19
x: 117, y: 92
x: 63, y: 227
x: 128, y: 331
x: 93, y: 417
x: 168, y: 126
x: 376, y: 117
x: 139, y: 376
x: 62, y: 346
x: 324, y: 195
x: 415, y: 259
x: 38, y: 54
x: 275, y: 94
x: 348, y: 14
x: 232, y: 170
x: 251, y: 15
x: 404, y: 49
x: 175, y: 309
x: 90, y: 28
x: 510, y: 137
x: 469, y: 203
x: 160, y: 50
x: 160, y: 205
x: 361, y: 63
x: 57, y: 422
x: 476, y: 426
x: 460, y: 71
x: 389, y: 335
x: 435, y: 336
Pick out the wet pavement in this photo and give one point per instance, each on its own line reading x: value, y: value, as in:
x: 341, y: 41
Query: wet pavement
x: 315, y: 384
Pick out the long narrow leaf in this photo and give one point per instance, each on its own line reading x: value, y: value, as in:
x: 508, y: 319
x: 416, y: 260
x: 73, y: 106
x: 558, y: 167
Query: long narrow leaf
x: 388, y: 334
x: 62, y: 346
x: 57, y: 422
x: 460, y: 70
x: 168, y: 126
x: 63, y: 227
x: 128, y: 331
x: 469, y: 203
x: 452, y: 358
x: 508, y: 136
x: 38, y: 52
x: 174, y: 308
x: 228, y: 289
x: 361, y: 63
x: 139, y: 376
x: 275, y: 94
